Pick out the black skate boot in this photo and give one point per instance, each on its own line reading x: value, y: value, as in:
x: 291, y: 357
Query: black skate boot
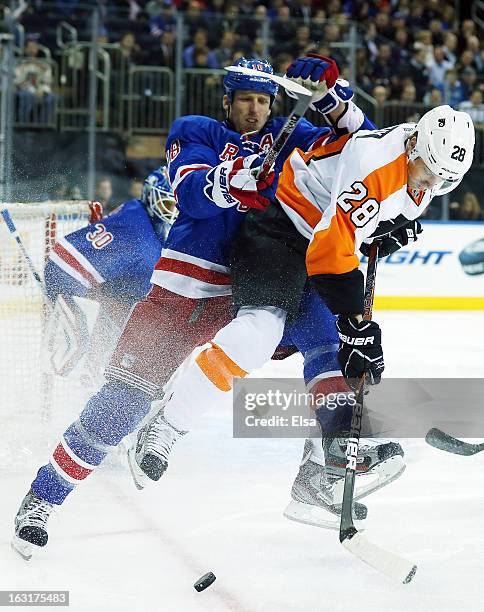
x: 148, y: 458
x: 31, y: 525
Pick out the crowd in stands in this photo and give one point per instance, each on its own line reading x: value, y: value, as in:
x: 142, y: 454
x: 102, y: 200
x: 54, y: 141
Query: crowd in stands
x: 413, y: 51
x: 416, y: 52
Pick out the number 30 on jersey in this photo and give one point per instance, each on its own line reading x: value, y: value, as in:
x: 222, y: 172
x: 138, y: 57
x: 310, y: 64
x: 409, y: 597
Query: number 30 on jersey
x: 361, y: 208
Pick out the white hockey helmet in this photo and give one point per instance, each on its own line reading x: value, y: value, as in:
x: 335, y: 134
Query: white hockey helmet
x: 445, y: 142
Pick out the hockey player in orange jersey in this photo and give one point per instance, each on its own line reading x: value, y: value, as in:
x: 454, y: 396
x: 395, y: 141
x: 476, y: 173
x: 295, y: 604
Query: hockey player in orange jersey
x: 330, y: 203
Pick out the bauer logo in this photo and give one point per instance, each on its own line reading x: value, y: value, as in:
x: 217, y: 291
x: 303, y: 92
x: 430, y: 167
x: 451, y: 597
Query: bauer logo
x: 352, y: 453
x: 356, y: 341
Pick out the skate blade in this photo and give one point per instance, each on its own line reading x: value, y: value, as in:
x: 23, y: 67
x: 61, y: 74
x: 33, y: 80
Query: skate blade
x: 378, y: 477
x: 139, y: 477
x: 23, y: 548
x: 314, y: 515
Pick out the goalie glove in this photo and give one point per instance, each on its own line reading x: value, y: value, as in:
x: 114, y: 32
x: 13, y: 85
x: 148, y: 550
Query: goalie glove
x: 390, y: 243
x: 360, y: 350
x: 236, y: 183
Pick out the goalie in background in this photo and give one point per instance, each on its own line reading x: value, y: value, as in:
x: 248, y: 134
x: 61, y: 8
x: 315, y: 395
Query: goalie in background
x: 109, y: 263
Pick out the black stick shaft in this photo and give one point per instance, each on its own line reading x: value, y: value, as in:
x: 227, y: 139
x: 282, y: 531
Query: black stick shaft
x: 347, y: 528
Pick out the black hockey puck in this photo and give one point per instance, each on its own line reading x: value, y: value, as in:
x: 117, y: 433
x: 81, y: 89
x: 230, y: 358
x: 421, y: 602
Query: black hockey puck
x: 205, y: 581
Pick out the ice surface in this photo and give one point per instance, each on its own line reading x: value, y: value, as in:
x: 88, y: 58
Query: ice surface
x: 219, y: 508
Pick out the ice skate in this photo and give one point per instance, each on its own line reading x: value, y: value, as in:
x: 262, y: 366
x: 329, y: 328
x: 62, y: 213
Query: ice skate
x: 148, y: 457
x: 312, y: 495
x: 31, y: 525
x: 317, y: 492
x: 379, y: 463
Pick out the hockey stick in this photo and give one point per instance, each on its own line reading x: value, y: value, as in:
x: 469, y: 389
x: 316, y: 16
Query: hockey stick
x: 12, y: 228
x: 301, y: 106
x: 443, y: 441
x: 382, y: 560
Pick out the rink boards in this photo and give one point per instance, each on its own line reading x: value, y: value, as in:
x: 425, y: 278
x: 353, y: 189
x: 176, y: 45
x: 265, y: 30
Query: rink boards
x: 443, y: 270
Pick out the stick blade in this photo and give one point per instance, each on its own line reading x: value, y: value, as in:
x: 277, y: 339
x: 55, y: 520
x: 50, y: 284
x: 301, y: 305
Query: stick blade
x: 439, y: 439
x: 288, y: 84
x: 382, y: 560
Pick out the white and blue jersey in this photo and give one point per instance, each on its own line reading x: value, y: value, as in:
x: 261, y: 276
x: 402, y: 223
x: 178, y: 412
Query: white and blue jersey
x: 195, y: 257
x: 115, y: 255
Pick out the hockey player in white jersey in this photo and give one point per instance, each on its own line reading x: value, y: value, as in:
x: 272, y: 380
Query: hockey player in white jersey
x: 329, y: 202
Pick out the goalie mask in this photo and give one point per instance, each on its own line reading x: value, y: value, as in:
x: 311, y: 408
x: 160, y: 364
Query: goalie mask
x: 158, y: 196
x: 445, y: 143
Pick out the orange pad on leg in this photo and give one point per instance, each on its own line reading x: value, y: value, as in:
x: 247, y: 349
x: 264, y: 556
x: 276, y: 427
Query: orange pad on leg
x: 219, y: 368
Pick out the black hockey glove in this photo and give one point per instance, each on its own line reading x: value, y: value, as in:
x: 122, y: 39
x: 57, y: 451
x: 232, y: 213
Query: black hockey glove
x: 389, y: 243
x: 360, y: 350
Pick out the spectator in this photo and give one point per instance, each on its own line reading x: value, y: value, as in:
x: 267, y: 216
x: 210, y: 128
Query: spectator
x: 135, y: 189
x: 438, y: 67
x: 402, y: 40
x: 130, y: 50
x: 434, y: 97
x: 474, y: 46
x: 283, y: 29
x: 417, y: 70
x: 224, y: 52
x: 302, y: 43
x: 154, y: 8
x: 450, y: 47
x: 380, y: 94
x: 282, y: 62
x: 466, y: 60
x: 448, y: 17
x: 383, y: 68
x: 468, y: 28
x: 200, y: 41
x: 303, y: 11
x: 424, y: 40
x: 104, y: 193
x: 467, y: 210
x: 201, y: 58
x: 452, y: 90
x: 469, y: 81
x: 317, y: 26
x: 163, y: 19
x: 370, y: 41
x: 385, y: 29
x: 474, y: 106
x: 194, y: 20
x: 33, y: 80
x: 436, y: 30
x: 409, y: 94
x: 167, y: 48
x: 416, y: 20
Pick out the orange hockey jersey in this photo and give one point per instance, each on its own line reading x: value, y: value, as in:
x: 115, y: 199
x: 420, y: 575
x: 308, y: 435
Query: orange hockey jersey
x: 348, y: 191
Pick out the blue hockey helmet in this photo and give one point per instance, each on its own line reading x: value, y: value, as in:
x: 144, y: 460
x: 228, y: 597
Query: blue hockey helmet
x: 158, y: 196
x: 234, y: 81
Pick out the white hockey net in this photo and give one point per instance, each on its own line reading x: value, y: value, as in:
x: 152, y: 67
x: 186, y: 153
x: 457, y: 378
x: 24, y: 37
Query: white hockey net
x: 25, y: 403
